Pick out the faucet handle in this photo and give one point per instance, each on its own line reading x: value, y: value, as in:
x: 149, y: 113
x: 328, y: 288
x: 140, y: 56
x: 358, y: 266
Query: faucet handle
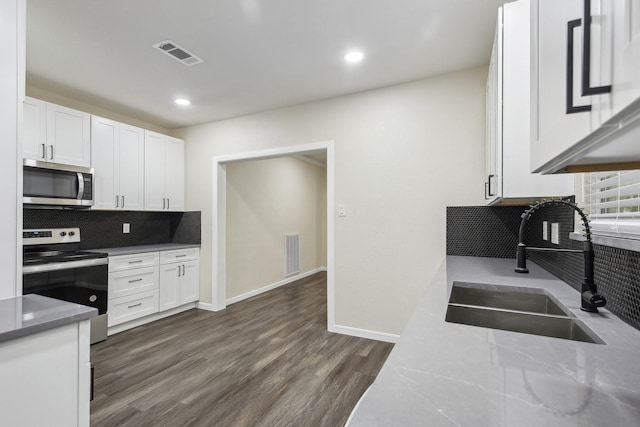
x: 591, y: 301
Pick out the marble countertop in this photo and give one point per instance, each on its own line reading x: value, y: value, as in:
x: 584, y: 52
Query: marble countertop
x: 448, y: 374
x: 30, y: 314
x: 128, y: 250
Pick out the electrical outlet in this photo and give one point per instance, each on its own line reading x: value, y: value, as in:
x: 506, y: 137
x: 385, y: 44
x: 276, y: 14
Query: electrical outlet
x: 126, y: 228
x: 555, y: 233
x: 342, y: 210
x: 545, y: 230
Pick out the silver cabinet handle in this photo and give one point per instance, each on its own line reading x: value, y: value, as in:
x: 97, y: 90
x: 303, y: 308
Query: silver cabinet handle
x: 178, y: 271
x: 135, y: 262
x: 183, y: 267
x: 122, y: 201
x: 180, y: 256
x: 168, y: 203
x: 44, y: 151
x: 117, y: 201
x: 135, y: 305
x: 135, y: 280
x: 51, y: 152
x: 163, y: 203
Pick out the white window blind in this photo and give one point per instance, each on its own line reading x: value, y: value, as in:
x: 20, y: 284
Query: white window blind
x: 612, y: 201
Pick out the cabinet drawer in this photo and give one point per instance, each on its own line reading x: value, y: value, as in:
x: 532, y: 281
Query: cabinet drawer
x: 127, y: 262
x: 129, y: 282
x: 132, y: 307
x: 179, y: 255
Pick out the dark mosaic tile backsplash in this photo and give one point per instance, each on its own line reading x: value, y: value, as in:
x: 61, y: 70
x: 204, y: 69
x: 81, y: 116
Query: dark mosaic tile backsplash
x: 493, y: 232
x: 103, y: 229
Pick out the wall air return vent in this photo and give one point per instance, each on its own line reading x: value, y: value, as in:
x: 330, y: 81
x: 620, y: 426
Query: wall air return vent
x: 178, y: 53
x: 291, y: 254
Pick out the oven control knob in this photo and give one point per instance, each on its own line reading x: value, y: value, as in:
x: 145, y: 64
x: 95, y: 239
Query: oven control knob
x: 72, y: 233
x: 63, y: 233
x: 93, y: 298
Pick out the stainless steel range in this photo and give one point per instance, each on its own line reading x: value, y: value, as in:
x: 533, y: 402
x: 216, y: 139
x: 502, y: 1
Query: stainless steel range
x: 53, y: 266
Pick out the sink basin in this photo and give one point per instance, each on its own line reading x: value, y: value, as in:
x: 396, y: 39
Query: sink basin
x: 508, y: 308
x: 531, y: 300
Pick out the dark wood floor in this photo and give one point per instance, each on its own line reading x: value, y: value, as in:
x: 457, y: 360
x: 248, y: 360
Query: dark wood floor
x: 265, y: 361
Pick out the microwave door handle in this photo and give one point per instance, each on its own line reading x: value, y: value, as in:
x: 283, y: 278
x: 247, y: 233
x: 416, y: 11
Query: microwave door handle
x: 80, y: 186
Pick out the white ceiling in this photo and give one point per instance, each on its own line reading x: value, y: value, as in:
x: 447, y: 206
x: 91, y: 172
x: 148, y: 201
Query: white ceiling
x: 259, y: 54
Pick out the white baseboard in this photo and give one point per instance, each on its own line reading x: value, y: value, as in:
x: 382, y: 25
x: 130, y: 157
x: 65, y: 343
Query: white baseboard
x: 148, y: 319
x: 206, y: 306
x: 364, y: 333
x: 274, y: 285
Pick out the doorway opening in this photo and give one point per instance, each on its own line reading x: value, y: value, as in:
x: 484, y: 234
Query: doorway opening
x: 219, y: 220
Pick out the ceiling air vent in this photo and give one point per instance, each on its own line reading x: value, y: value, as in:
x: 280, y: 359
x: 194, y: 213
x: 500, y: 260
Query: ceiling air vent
x: 178, y: 53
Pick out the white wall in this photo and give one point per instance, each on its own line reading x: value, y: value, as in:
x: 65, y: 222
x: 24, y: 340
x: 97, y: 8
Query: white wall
x: 12, y: 32
x: 402, y: 154
x: 265, y: 200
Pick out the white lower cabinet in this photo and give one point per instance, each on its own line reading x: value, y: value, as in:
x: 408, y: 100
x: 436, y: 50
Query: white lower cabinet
x: 152, y: 282
x: 47, y: 378
x: 133, y: 287
x: 179, y: 277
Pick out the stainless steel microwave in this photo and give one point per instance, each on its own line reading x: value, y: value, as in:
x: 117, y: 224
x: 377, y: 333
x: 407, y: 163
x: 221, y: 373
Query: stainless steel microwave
x: 53, y: 184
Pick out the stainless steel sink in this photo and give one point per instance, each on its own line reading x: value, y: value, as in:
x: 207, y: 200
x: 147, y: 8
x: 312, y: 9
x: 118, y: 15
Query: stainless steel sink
x: 524, y: 310
x: 531, y: 300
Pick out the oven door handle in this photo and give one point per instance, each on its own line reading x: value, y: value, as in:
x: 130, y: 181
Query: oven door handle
x: 80, y: 186
x: 56, y: 266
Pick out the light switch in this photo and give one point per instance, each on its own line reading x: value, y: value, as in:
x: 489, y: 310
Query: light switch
x: 126, y: 228
x: 342, y: 210
x: 555, y: 233
x: 545, y: 230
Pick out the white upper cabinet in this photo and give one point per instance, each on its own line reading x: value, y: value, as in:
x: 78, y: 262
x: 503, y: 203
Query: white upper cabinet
x: 34, y: 134
x: 53, y: 133
x: 164, y: 172
x: 585, y: 85
x: 493, y: 155
x: 131, y: 171
x: 508, y: 178
x: 174, y: 169
x: 118, y: 160
x: 626, y: 54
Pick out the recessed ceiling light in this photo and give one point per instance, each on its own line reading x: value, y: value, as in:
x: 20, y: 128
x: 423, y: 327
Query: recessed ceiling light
x: 182, y: 101
x: 354, y: 56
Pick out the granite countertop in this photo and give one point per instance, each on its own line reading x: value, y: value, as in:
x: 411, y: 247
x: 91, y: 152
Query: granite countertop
x: 448, y: 374
x: 29, y: 314
x: 128, y: 250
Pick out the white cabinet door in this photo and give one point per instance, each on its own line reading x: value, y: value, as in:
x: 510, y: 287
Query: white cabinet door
x: 170, y: 281
x: 553, y: 129
x: 104, y: 140
x: 68, y: 136
x: 626, y: 54
x: 130, y: 166
x: 568, y: 107
x: 493, y: 155
x: 118, y: 159
x: 174, y: 168
x: 163, y: 172
x: 34, y: 129
x: 154, y: 154
x: 190, y: 289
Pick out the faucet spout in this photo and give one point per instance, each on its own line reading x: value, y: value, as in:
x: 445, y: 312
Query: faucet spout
x: 590, y: 299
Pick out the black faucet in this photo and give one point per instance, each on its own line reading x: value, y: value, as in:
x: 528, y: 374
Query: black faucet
x: 590, y: 300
